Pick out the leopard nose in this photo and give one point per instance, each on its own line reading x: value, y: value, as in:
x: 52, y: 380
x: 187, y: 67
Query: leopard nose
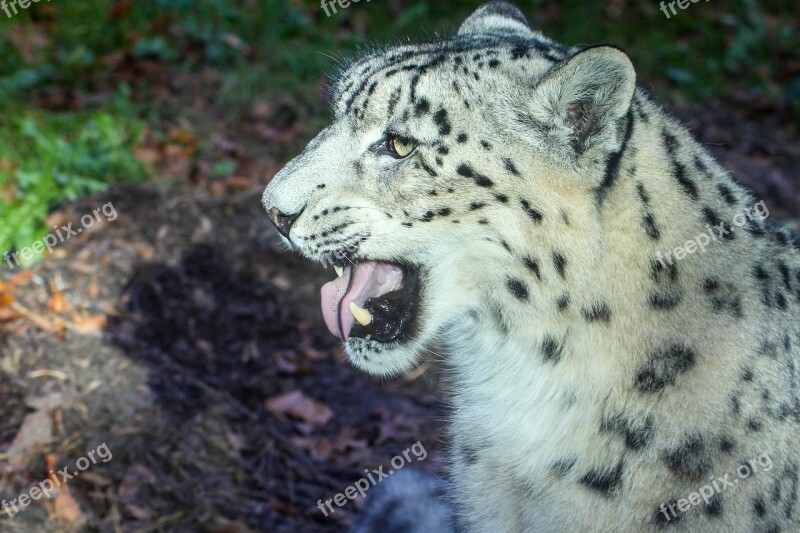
x: 283, y: 222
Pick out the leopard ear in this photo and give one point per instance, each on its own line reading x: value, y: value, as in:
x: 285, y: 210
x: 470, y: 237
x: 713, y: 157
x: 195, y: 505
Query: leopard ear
x: 497, y: 18
x: 581, y: 103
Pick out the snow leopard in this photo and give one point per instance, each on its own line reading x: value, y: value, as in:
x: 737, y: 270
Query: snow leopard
x: 620, y: 319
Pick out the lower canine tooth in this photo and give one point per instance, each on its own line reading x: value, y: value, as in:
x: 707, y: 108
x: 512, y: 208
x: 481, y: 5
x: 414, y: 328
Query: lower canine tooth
x: 339, y: 270
x: 361, y: 315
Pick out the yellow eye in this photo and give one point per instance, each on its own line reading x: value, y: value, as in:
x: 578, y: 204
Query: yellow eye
x: 399, y: 147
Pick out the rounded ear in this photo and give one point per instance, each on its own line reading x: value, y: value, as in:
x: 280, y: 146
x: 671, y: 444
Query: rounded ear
x: 497, y: 18
x: 583, y: 99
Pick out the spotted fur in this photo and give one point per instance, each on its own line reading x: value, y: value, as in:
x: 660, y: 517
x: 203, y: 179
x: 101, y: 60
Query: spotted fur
x: 592, y: 380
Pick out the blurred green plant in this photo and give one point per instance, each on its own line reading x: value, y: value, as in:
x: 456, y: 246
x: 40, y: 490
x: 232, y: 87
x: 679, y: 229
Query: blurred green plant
x: 46, y: 158
x: 711, y: 48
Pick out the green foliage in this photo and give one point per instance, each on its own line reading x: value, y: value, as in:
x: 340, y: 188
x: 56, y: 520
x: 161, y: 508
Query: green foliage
x: 46, y: 158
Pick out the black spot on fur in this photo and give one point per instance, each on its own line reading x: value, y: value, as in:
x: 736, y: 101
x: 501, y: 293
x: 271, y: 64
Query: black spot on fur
x: 786, y: 275
x: 667, y: 515
x: 606, y: 480
x: 736, y: 405
x: 664, y: 300
x: 599, y: 312
x: 662, y: 273
x: 560, y: 263
x: 688, y: 186
x: 533, y: 266
x: 759, y: 507
x: 441, y: 120
x: 470, y: 454
x: 663, y: 368
x: 421, y: 107
x: 476, y: 205
x: 562, y: 467
x: 690, y: 459
x: 563, y: 302
x: 726, y: 444
x: 467, y: 171
x: 502, y: 198
x: 780, y: 300
x: 714, y: 507
x: 668, y: 293
x: 714, y: 221
x: 519, y: 52
x: 432, y: 173
x: 637, y: 434
x: 726, y: 194
x: 517, y: 288
x: 650, y: 226
x: 643, y: 193
x: 754, y: 424
x: 483, y: 181
x: 552, y: 349
x: 462, y: 138
x: 510, y: 166
x: 534, y: 214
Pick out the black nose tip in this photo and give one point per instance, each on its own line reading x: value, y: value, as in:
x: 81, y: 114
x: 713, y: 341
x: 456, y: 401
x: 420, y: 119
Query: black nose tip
x: 283, y: 222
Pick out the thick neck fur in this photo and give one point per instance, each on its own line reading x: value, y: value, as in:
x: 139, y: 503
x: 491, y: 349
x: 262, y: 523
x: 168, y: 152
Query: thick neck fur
x: 533, y: 377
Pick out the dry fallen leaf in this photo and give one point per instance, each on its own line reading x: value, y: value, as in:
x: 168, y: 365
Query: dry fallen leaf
x: 6, y: 298
x: 298, y: 405
x: 48, y: 326
x: 22, y: 278
x: 7, y: 312
x: 35, y: 433
x: 94, y: 287
x: 89, y: 324
x: 65, y: 508
x: 57, y: 303
x: 52, y: 401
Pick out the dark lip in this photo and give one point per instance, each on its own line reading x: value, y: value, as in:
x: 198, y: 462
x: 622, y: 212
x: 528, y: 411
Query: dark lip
x: 394, y: 313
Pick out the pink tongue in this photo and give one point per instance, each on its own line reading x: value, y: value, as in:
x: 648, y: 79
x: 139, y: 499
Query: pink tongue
x: 358, y: 284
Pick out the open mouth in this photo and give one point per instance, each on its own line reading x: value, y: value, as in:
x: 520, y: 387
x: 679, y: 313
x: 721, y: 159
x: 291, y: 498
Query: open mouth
x: 373, y: 300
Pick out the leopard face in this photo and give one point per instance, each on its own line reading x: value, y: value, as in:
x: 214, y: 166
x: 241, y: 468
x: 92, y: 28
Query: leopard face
x: 447, y: 165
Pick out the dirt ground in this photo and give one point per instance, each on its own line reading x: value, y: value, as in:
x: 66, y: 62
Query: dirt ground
x: 185, y: 339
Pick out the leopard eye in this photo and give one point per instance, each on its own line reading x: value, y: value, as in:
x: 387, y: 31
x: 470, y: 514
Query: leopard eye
x: 398, y: 147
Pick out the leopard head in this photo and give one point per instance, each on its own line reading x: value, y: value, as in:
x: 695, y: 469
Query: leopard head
x: 445, y: 169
